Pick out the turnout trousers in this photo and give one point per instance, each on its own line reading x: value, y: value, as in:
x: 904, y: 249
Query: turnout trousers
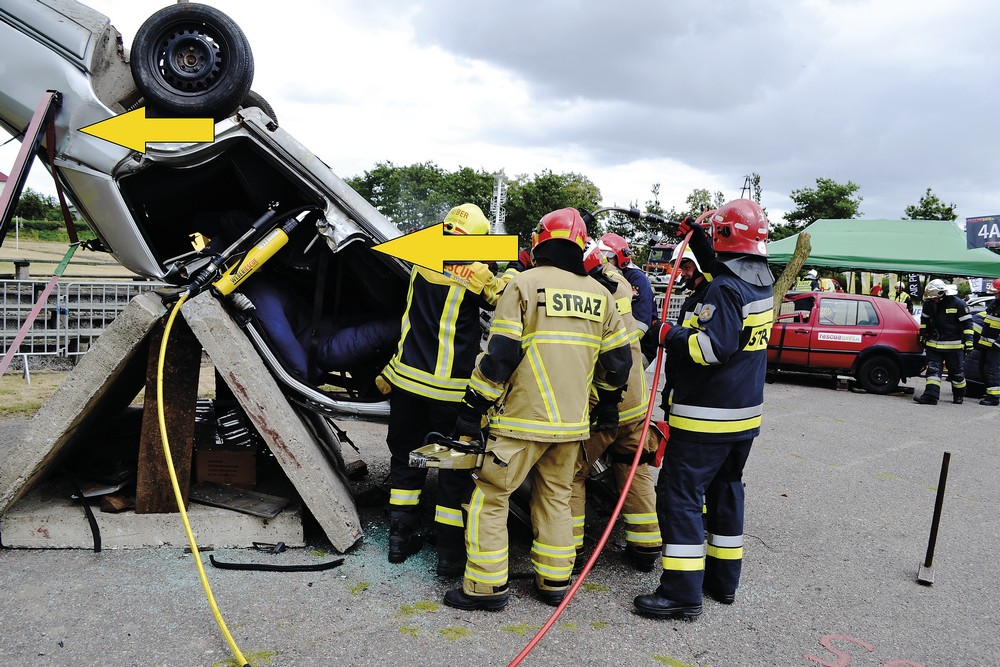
x: 691, y: 472
x: 991, y: 371
x: 508, y: 463
x: 936, y: 360
x: 411, y: 418
x: 642, y: 530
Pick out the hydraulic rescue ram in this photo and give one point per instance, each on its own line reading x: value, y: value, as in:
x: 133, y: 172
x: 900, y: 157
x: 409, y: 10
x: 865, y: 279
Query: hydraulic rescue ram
x: 440, y: 451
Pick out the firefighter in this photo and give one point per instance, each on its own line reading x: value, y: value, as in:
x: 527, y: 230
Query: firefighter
x: 946, y: 333
x: 903, y: 296
x: 715, y: 413
x: 555, y: 332
x: 617, y: 251
x: 642, y: 532
x: 989, y: 348
x: 428, y: 375
x: 813, y: 277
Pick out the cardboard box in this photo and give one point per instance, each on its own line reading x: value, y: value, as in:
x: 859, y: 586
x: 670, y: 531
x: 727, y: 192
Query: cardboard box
x: 221, y: 466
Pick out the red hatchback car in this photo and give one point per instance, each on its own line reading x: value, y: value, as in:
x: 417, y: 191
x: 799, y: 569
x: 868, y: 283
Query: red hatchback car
x: 873, y: 339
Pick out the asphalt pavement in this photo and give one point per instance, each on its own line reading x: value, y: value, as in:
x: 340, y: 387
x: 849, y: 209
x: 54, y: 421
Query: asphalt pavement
x: 840, y: 493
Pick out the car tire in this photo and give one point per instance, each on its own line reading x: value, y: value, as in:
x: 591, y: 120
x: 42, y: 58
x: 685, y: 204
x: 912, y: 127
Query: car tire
x: 192, y: 60
x: 255, y: 99
x: 879, y: 374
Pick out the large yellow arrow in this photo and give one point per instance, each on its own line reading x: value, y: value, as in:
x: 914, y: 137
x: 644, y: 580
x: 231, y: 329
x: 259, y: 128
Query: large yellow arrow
x: 133, y: 130
x: 430, y: 247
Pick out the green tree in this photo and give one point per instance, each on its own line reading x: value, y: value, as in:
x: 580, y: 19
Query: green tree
x: 34, y: 205
x: 529, y: 198
x: 829, y: 199
x: 930, y: 208
x: 701, y: 200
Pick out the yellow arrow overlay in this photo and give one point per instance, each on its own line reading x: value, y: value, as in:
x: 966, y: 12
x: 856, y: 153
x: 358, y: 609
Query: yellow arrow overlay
x: 132, y: 130
x: 430, y: 247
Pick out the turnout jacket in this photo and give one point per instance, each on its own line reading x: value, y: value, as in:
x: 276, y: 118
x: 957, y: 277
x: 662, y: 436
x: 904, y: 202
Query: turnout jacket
x: 721, y: 360
x: 635, y: 398
x: 990, y: 334
x: 440, y: 332
x: 554, y: 334
x: 946, y: 324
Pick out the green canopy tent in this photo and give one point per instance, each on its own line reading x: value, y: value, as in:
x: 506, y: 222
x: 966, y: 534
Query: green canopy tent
x: 896, y: 246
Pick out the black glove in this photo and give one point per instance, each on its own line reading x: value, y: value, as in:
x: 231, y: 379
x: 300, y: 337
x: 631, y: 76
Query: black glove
x: 470, y: 416
x: 604, y: 415
x: 469, y: 424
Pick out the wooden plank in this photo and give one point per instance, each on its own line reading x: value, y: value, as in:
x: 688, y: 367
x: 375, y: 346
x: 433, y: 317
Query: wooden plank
x: 154, y: 493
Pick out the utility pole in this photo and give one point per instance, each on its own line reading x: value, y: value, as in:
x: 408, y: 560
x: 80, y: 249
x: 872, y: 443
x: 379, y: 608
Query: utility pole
x: 496, y: 204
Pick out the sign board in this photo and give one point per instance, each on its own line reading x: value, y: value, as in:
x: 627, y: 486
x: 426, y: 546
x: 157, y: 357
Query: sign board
x: 983, y: 232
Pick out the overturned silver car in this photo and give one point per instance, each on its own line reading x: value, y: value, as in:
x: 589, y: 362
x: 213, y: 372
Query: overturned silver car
x: 167, y: 212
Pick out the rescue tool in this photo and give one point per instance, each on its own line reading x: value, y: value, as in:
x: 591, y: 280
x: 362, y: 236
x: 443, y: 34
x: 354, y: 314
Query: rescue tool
x: 440, y: 451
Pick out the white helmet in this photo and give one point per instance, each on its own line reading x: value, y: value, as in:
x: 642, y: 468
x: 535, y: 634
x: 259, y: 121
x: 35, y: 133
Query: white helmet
x: 687, y: 255
x: 935, y: 288
x: 812, y: 274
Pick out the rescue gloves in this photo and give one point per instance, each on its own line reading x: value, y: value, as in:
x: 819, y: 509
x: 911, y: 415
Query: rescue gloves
x: 604, y: 415
x: 470, y: 416
x: 665, y: 328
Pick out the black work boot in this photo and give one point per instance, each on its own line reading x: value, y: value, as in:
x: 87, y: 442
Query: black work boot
x: 655, y: 604
x: 958, y: 396
x: 403, y: 538
x: 924, y: 399
x: 990, y: 400
x: 643, y: 559
x: 451, y: 562
x: 458, y: 599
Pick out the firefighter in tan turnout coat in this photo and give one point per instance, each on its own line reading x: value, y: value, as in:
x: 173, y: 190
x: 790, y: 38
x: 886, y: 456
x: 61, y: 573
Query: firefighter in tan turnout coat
x: 555, y: 333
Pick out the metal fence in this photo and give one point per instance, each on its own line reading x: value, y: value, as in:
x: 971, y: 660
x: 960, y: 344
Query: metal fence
x: 73, y: 316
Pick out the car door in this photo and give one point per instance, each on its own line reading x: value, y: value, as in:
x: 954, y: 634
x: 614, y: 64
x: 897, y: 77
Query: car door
x: 843, y: 328
x: 789, y: 342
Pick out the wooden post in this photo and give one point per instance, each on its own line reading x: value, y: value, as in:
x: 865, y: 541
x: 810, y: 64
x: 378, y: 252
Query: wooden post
x: 154, y: 492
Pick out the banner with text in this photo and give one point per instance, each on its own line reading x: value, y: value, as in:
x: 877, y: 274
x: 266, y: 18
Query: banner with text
x: 983, y: 232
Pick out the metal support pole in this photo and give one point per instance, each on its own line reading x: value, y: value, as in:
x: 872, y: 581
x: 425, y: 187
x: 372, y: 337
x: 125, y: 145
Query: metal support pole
x: 926, y: 574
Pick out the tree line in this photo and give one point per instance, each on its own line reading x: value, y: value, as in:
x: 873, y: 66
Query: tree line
x: 419, y: 195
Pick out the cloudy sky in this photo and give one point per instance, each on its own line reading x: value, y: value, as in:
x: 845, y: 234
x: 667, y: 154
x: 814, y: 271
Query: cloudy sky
x: 895, y: 96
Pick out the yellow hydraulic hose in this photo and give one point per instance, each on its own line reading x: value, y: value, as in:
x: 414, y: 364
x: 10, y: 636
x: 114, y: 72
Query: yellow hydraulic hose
x: 177, y: 488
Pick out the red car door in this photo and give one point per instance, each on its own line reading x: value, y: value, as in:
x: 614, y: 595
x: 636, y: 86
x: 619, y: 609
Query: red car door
x: 843, y: 327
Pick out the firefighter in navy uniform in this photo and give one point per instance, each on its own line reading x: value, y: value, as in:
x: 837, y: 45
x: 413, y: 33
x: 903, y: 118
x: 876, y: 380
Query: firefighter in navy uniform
x: 715, y: 413
x: 946, y: 332
x: 555, y: 332
x: 642, y: 531
x: 429, y: 372
x: 989, y: 348
x: 903, y: 296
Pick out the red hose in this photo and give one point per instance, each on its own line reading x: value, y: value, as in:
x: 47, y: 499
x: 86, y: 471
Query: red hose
x: 631, y: 473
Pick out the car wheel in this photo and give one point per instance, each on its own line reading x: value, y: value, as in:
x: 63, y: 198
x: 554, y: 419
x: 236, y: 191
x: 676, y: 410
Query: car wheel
x: 879, y: 374
x: 192, y: 60
x: 255, y: 99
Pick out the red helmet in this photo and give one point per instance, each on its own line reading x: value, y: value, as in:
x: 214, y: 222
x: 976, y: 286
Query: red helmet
x: 592, y: 256
x: 740, y: 227
x: 615, y: 246
x: 994, y: 287
x: 562, y: 225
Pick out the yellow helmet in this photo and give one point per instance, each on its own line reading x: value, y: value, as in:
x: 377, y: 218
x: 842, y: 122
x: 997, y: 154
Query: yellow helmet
x: 466, y: 219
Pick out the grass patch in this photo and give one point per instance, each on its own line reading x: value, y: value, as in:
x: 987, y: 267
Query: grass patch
x: 519, y: 629
x: 594, y: 588
x: 410, y: 630
x: 670, y: 662
x: 599, y: 625
x: 20, y: 399
x: 421, y: 607
x: 455, y: 632
x: 359, y: 588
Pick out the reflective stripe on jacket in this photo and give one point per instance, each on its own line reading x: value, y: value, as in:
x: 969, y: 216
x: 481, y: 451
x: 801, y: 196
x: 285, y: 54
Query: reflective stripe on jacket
x: 946, y: 324
x: 554, y: 334
x: 721, y: 362
x: 440, y: 333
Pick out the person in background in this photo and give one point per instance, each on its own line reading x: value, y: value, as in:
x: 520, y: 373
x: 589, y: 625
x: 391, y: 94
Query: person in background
x: 903, y: 296
x: 642, y: 532
x: 813, y: 277
x: 946, y: 333
x: 617, y: 251
x: 989, y: 348
x: 715, y: 413
x: 555, y: 332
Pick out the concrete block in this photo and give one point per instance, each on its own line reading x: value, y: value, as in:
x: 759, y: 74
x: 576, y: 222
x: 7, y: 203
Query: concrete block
x: 105, y: 375
x: 323, y: 491
x: 46, y: 518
